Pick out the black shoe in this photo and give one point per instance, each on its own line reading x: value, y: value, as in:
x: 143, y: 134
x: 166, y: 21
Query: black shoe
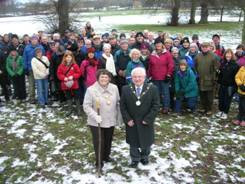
x: 108, y: 159
x: 134, y: 164
x: 144, y: 161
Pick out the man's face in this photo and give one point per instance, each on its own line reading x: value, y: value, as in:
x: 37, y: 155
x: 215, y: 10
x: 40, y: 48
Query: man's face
x: 131, y: 41
x: 34, y: 41
x: 205, y: 49
x: 216, y: 40
x: 124, y: 46
x: 138, y: 78
x: 97, y: 41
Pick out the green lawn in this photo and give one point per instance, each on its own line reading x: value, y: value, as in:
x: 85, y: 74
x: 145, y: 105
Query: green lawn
x: 185, y: 28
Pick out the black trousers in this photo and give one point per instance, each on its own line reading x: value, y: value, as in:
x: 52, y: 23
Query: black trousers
x: 225, y: 97
x: 19, y: 86
x: 207, y: 98
x: 106, y: 140
x: 241, y: 114
x: 4, y: 86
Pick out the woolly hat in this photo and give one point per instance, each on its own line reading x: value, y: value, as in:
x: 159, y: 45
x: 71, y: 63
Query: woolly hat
x: 91, y: 50
x: 183, y: 62
x: 241, y: 61
x: 185, y: 40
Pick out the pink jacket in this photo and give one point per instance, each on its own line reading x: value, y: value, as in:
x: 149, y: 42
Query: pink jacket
x: 88, y: 72
x: 160, y: 65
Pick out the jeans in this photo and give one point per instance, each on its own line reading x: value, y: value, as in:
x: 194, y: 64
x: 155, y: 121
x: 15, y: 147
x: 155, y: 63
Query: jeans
x: 163, y: 88
x: 137, y: 155
x: 31, y: 88
x: 191, y: 103
x: 42, y: 91
x: 225, y: 97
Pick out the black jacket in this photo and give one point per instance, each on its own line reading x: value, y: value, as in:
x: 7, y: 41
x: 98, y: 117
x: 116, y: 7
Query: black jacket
x: 140, y: 135
x: 227, y: 72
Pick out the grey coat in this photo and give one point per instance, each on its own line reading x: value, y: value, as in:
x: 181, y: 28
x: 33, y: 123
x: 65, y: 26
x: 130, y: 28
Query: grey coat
x: 109, y: 105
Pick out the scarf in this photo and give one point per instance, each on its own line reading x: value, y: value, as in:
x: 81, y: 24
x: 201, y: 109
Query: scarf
x: 110, y: 65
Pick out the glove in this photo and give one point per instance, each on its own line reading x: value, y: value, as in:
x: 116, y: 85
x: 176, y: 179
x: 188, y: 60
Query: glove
x: 242, y: 87
x: 98, y: 119
x: 167, y: 79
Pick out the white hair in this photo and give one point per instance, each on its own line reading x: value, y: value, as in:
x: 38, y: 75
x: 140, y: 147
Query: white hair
x: 174, y: 49
x: 132, y: 51
x: 106, y: 46
x: 140, y: 70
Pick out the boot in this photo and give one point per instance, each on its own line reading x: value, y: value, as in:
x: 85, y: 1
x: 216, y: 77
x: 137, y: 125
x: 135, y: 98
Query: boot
x: 69, y: 107
x: 78, y: 108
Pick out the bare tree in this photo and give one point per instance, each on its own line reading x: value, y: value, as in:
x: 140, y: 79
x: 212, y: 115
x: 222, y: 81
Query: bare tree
x: 193, y: 12
x: 175, y: 13
x: 204, y: 12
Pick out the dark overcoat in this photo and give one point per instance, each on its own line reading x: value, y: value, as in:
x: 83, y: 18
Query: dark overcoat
x: 140, y: 135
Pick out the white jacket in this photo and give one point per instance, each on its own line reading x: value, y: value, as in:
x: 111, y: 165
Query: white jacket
x: 38, y: 68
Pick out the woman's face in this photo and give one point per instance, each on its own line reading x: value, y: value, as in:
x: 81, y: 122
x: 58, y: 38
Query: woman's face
x: 90, y: 55
x: 182, y: 67
x: 193, y: 49
x: 104, y: 80
x: 39, y: 54
x: 68, y: 59
x: 107, y: 51
x: 228, y: 56
x: 186, y: 45
x: 135, y: 56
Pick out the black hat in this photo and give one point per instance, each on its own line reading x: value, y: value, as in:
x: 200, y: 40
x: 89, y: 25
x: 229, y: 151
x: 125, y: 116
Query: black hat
x: 139, y: 34
x: 185, y: 40
x: 216, y: 35
x: 12, y: 49
x: 158, y: 40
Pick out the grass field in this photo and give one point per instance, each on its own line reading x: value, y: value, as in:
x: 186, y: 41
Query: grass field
x: 185, y: 28
x: 45, y: 146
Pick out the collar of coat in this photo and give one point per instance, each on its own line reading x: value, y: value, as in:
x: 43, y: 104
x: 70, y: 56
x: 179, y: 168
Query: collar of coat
x: 145, y: 89
x: 154, y: 53
x: 101, y: 90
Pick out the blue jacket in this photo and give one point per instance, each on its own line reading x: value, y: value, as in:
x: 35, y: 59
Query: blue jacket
x: 29, y: 53
x: 186, y: 83
x: 131, y: 65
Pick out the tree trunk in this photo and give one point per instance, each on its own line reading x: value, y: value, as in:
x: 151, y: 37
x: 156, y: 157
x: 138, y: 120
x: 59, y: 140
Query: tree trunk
x: 193, y: 12
x: 222, y: 13
x: 204, y: 12
x: 63, y: 14
x: 243, y: 29
x: 240, y: 16
x: 175, y: 13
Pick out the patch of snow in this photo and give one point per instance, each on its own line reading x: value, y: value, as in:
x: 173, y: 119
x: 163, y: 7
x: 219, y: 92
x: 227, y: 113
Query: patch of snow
x: 17, y: 162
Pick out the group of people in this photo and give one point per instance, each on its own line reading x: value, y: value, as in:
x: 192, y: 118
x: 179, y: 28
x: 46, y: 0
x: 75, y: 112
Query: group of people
x: 123, y: 76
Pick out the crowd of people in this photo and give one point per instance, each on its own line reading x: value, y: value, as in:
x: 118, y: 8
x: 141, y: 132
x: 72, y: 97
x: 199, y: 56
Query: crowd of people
x: 65, y: 68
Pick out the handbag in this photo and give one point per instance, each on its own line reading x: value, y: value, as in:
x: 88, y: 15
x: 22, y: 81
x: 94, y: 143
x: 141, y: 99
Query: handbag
x: 69, y: 83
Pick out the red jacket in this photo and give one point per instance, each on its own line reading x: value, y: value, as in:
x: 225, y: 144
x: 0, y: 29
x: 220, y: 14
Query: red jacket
x: 74, y: 71
x: 89, y: 71
x: 160, y: 65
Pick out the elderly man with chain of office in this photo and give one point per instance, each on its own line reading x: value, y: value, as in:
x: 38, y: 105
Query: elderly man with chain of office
x: 139, y: 107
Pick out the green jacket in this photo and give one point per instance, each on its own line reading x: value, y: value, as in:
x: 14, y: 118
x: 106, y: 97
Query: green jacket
x: 206, y: 67
x: 15, y: 66
x: 186, y: 83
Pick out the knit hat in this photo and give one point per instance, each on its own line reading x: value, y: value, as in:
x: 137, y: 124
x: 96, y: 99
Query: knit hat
x: 91, y: 50
x: 183, y: 62
x: 106, y: 46
x: 185, y: 40
x: 241, y: 62
x: 34, y: 37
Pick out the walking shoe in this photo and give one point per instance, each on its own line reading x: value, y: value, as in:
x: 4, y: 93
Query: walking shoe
x: 224, y: 116
x: 242, y: 123
x: 134, y: 164
x: 218, y: 114
x: 144, y: 161
x: 165, y: 111
x: 236, y: 122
